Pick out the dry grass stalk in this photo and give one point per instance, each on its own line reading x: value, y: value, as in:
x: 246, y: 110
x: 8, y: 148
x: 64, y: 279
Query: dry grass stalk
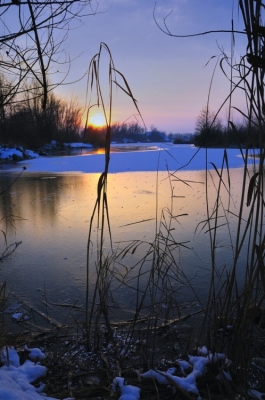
x: 233, y: 307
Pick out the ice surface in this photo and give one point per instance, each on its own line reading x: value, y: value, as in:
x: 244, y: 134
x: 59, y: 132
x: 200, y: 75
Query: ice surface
x: 165, y: 157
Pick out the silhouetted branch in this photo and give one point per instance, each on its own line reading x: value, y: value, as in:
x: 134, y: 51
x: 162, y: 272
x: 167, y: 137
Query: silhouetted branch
x: 167, y: 31
x: 30, y: 44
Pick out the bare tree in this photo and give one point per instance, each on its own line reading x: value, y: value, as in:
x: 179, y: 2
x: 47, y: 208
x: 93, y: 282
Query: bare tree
x: 31, y: 36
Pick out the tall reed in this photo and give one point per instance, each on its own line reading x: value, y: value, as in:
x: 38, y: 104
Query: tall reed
x: 236, y: 295
x: 234, y: 309
x: 117, y: 79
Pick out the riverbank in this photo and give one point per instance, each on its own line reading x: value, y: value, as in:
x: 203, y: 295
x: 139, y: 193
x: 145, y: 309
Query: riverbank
x: 19, y: 153
x: 118, y: 369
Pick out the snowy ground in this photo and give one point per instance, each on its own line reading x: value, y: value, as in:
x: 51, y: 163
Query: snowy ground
x: 16, y: 379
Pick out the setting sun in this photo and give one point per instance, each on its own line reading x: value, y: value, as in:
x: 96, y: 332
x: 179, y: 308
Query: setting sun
x: 97, y: 120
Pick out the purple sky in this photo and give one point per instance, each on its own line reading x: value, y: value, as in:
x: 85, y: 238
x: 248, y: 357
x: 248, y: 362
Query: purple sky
x: 168, y: 76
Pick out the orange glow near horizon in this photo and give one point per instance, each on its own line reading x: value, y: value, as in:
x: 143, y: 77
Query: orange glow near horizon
x: 97, y: 120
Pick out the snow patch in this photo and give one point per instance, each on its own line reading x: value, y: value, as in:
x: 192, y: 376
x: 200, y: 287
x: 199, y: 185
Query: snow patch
x: 35, y: 354
x: 16, y: 380
x: 188, y: 382
x: 128, y: 392
x: 16, y: 154
x: 78, y: 145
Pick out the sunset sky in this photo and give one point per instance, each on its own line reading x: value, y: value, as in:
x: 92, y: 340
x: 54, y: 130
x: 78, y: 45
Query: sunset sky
x: 168, y: 76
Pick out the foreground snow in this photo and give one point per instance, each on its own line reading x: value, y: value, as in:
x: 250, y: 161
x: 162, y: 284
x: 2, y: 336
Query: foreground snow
x: 184, y: 380
x: 196, y: 364
x: 128, y: 392
x: 16, y: 380
x: 152, y: 157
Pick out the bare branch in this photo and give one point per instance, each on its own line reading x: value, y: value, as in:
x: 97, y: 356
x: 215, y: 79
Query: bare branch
x: 167, y: 31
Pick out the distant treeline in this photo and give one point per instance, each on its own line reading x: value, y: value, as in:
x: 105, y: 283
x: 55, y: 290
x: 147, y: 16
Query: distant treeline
x: 210, y: 131
x: 24, y: 122
x: 181, y: 138
x: 122, y: 133
x: 132, y: 133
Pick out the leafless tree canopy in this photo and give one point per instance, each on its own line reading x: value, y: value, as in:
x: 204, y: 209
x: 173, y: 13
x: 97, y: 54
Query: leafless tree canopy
x: 31, y: 38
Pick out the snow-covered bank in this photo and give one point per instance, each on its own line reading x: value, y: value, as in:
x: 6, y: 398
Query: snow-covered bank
x: 160, y: 157
x: 78, y: 145
x: 16, y: 154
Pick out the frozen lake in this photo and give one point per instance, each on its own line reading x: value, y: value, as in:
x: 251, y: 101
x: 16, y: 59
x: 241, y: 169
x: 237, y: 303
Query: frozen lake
x: 134, y: 158
x: 50, y: 207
